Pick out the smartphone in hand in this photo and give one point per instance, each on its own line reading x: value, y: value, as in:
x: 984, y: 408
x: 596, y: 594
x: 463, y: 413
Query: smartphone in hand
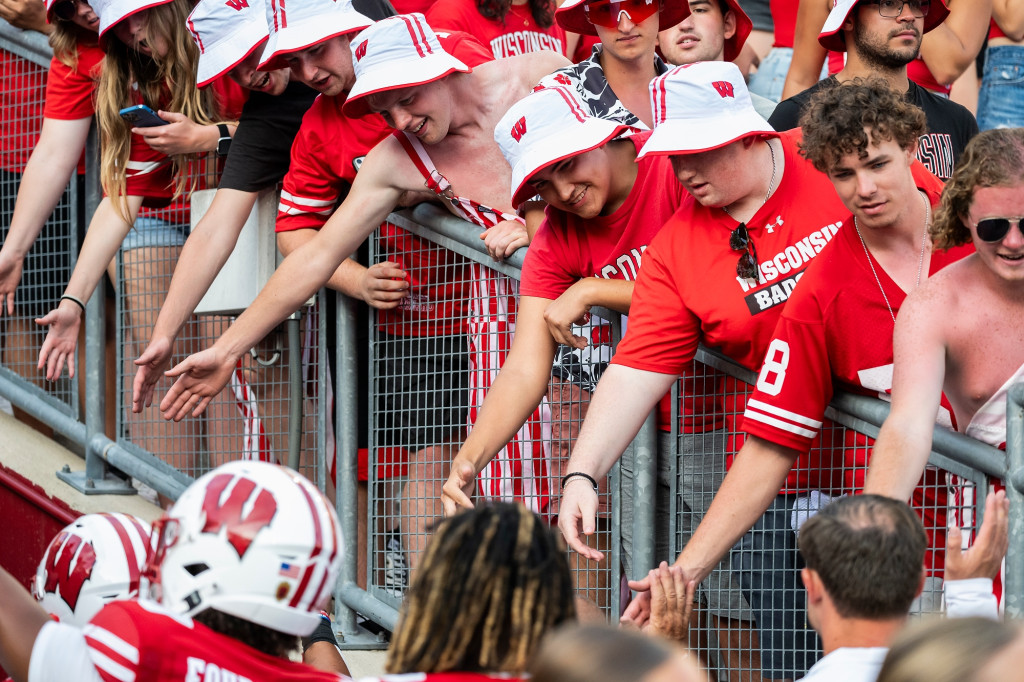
x: 141, y: 116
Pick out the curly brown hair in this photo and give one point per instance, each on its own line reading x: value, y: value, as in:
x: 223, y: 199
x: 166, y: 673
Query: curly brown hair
x: 994, y: 158
x: 836, y: 117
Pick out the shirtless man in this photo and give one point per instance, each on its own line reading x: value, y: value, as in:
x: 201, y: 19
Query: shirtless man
x: 962, y: 333
x: 445, y: 108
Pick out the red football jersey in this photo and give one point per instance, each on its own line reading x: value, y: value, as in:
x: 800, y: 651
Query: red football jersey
x: 131, y: 640
x: 448, y: 676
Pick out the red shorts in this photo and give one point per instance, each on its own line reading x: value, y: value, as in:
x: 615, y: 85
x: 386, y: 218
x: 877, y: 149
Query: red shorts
x: 391, y: 463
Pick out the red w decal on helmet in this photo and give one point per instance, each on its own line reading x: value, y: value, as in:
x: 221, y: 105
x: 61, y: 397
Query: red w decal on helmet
x: 61, y: 575
x: 228, y: 513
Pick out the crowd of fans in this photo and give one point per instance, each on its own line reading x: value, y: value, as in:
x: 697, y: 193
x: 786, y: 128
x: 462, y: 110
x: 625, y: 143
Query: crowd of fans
x: 860, y: 235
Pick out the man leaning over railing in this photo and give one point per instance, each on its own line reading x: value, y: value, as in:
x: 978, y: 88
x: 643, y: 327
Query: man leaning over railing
x: 962, y: 334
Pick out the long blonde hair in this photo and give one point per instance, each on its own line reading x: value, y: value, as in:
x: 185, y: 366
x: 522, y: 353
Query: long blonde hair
x: 125, y: 69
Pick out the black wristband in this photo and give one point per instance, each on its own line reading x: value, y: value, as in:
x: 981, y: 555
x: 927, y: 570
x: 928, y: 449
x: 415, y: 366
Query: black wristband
x: 579, y: 474
x: 224, y: 141
x: 323, y: 633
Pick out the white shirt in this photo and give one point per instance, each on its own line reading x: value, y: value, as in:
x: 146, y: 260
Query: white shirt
x: 849, y: 664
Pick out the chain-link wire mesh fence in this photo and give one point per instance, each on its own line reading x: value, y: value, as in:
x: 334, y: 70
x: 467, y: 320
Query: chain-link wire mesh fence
x: 433, y: 360
x: 47, y: 265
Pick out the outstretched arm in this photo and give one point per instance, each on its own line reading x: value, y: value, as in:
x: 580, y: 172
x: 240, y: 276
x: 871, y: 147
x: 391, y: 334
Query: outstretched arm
x: 374, y: 194
x: 757, y: 474
x: 204, y: 254
x: 919, y: 357
x: 54, y: 158
x: 515, y: 393
x: 21, y: 619
x: 102, y: 240
x: 622, y: 401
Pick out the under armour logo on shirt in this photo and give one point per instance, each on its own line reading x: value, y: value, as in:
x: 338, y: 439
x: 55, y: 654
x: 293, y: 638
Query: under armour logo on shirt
x: 724, y: 88
x: 519, y: 129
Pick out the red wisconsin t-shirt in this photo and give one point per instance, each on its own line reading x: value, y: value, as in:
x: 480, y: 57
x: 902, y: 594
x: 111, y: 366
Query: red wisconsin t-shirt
x: 567, y: 248
x: 688, y: 291
x: 518, y: 34
x: 142, y: 641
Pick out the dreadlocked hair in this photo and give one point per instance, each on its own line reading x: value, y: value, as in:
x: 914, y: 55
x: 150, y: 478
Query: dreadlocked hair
x: 174, y: 74
x: 493, y: 582
x: 543, y: 11
x: 260, y: 638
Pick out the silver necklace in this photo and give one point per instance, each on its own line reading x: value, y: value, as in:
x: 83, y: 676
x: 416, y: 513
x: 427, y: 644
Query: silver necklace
x: 920, y: 261
x: 771, y: 183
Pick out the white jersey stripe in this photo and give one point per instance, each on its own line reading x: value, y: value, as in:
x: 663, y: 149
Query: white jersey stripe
x: 305, y: 201
x: 295, y: 210
x: 107, y: 665
x: 112, y: 642
x: 785, y: 414
x: 778, y: 423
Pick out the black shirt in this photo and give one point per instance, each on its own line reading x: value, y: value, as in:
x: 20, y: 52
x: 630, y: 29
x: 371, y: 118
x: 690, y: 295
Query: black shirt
x: 261, y: 148
x: 950, y: 125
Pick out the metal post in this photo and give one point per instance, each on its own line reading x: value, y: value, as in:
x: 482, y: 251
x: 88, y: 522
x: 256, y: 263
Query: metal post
x: 346, y: 401
x: 645, y: 485
x: 1014, y: 573
x: 294, y: 389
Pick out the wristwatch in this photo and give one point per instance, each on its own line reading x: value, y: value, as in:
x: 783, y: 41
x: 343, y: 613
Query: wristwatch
x: 224, y: 143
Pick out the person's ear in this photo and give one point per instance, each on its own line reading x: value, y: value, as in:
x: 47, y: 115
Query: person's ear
x: 813, y: 585
x: 729, y: 25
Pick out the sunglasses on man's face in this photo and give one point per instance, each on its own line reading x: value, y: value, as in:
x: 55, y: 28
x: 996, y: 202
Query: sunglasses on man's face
x: 607, y: 13
x: 995, y: 229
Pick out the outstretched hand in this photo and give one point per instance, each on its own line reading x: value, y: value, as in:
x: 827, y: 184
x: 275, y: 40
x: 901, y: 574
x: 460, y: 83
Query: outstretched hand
x: 151, y: 364
x: 59, y: 345
x: 503, y: 239
x: 985, y: 556
x: 671, y: 603
x: 10, y: 278
x: 578, y: 511
x: 458, y: 488
x: 199, y: 378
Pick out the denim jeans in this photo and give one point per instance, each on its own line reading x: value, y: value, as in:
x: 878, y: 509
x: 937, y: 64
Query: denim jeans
x: 1001, y: 100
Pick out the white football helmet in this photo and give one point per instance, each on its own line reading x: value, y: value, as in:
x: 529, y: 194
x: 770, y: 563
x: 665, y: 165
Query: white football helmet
x: 253, y: 540
x: 97, y: 559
